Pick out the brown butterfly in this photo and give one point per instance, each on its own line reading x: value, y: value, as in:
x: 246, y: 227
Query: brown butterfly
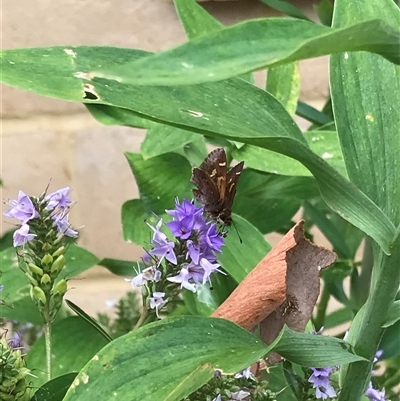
x: 216, y: 187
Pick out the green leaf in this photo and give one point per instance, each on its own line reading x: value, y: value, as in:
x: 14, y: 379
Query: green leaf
x: 161, y: 179
x: 81, y: 313
x: 390, y: 341
x: 327, y: 146
x: 324, y: 10
x: 287, y: 8
x: 6, y: 241
x: 311, y: 114
x: 162, y: 139
x: 55, y: 389
x: 195, y: 20
x: 284, y: 83
x: 366, y: 97
x: 258, y: 119
x: 109, y: 115
x: 189, y: 349
x: 239, y: 258
x: 394, y: 315
x: 74, y: 343
x: 124, y: 268
x: 225, y: 53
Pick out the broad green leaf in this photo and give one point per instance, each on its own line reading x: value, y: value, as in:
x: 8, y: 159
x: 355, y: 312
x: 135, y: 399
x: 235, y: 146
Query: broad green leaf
x: 287, y: 8
x: 55, y: 389
x: 74, y: 343
x: 189, y: 349
x: 194, y: 151
x: 17, y: 288
x: 162, y: 139
x: 327, y: 146
x: 366, y: 98
x: 6, y: 241
x: 108, y: 115
x: 267, y: 215
x: 161, y: 179
x: 134, y: 218
x: 195, y: 20
x: 394, y: 314
x: 284, y: 83
x: 82, y: 314
x: 258, y: 119
x: 225, y: 53
x: 239, y: 258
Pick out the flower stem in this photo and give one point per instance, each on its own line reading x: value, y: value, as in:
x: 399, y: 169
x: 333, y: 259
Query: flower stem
x: 366, y: 330
x: 321, y: 309
x: 47, y: 339
x: 142, y: 319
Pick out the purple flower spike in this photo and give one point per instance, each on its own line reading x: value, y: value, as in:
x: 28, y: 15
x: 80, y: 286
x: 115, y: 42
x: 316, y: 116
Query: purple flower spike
x: 58, y: 199
x: 22, y: 209
x: 320, y: 381
x: 22, y: 236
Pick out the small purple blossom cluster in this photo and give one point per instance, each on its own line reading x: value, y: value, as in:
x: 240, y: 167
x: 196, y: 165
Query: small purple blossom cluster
x: 320, y: 381
x: 29, y: 209
x: 189, y: 259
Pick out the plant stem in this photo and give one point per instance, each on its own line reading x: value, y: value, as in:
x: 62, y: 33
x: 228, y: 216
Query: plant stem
x: 142, y: 319
x: 47, y: 339
x: 366, y: 330
x: 321, y: 309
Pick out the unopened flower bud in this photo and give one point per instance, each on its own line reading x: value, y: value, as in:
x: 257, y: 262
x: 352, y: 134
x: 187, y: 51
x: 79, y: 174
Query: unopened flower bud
x: 31, y: 279
x: 46, y: 247
x: 58, y: 264
x: 60, y: 288
x: 35, y: 269
x: 59, y: 291
x: 60, y: 251
x: 45, y: 282
x: 39, y: 295
x: 47, y: 259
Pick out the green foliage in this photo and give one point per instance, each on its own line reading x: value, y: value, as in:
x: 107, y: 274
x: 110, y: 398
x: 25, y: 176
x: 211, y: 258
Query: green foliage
x: 342, y: 174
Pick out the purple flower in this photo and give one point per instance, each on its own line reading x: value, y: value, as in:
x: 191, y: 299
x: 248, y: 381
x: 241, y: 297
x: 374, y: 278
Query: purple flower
x: 246, y: 374
x: 22, y: 208
x: 63, y: 226
x: 157, y: 301
x: 182, y: 228
x: 22, y: 236
x: 183, y: 279
x: 1, y: 287
x: 375, y: 395
x: 149, y: 274
x: 58, y: 199
x: 212, y: 238
x: 320, y: 381
x: 162, y: 247
x: 15, y: 342
x: 205, y: 268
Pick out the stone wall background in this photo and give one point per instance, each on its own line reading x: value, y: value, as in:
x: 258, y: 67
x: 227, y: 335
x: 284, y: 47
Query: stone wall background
x: 44, y: 138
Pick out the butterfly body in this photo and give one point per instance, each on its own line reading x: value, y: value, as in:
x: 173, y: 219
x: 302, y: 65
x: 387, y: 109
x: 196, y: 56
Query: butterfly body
x: 216, y: 186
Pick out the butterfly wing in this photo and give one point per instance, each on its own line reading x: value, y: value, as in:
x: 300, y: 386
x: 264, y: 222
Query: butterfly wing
x: 231, y: 185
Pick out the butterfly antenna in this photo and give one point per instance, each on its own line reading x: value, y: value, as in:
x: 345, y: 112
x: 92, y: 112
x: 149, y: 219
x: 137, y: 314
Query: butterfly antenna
x: 237, y: 232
